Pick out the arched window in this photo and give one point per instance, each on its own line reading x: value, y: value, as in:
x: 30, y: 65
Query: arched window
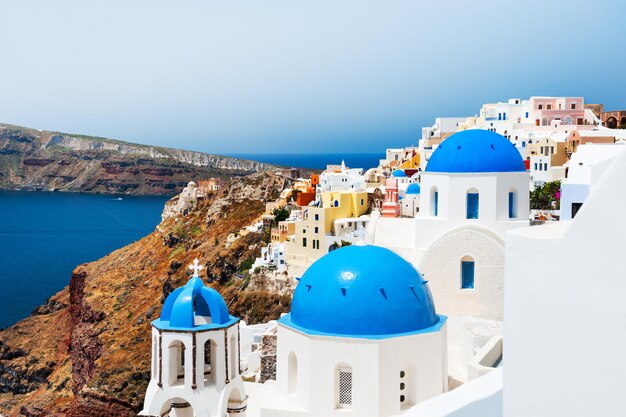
x: 467, y: 273
x: 210, y: 362
x: 343, y: 384
x: 176, y: 368
x: 292, y: 381
x: 512, y: 204
x: 155, y: 357
x: 434, y: 202
x: 234, y: 366
x: 472, y: 204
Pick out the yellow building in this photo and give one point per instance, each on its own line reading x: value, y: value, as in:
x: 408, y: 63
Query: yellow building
x: 284, y: 229
x: 309, y: 242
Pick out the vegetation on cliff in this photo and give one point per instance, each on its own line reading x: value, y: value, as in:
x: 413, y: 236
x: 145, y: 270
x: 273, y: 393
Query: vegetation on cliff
x: 87, y: 351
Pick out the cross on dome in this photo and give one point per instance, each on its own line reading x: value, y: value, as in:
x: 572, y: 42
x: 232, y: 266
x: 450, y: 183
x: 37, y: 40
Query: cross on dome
x: 196, y: 267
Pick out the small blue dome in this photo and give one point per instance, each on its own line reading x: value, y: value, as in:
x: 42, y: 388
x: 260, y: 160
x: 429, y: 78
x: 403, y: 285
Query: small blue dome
x: 398, y: 173
x: 362, y: 291
x: 476, y: 151
x: 413, y: 189
x: 194, y: 307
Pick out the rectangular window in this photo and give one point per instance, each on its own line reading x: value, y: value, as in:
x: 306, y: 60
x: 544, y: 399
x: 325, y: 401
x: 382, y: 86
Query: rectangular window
x: 472, y: 205
x: 523, y: 144
x: 317, y: 229
x: 545, y: 166
x: 503, y: 116
x: 549, y: 107
x: 527, y: 115
x: 304, y: 242
x: 344, y: 397
x: 551, y: 150
x: 467, y: 274
x: 541, y: 150
x: 540, y: 106
x: 512, y: 206
x: 362, y: 201
x: 499, y: 116
x: 535, y: 166
x: 436, y: 208
x: 573, y: 106
x: 317, y: 217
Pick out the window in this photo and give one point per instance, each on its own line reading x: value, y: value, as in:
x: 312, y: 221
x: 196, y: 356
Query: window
x: 336, y: 203
x: 551, y: 150
x: 541, y: 150
x: 573, y: 106
x: 467, y: 273
x: 499, y: 116
x: 527, y: 115
x: 535, y: 166
x: 540, y: 106
x: 317, y: 229
x: 512, y: 205
x: 210, y: 350
x: 523, y: 144
x: 575, y: 208
x: 549, y: 107
x: 176, y: 368
x: 317, y: 216
x: 503, y: 116
x: 304, y: 242
x: 362, y: 201
x: 344, y: 387
x: 434, y: 198
x: 472, y: 205
x: 292, y: 382
x: 545, y: 166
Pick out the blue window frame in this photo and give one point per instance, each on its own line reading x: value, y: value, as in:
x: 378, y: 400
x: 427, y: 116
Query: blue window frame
x: 472, y: 205
x: 499, y: 116
x: 523, y: 144
x: 512, y: 206
x: 527, y: 115
x: 467, y: 274
x: 503, y: 116
x: 436, y: 203
x: 336, y: 203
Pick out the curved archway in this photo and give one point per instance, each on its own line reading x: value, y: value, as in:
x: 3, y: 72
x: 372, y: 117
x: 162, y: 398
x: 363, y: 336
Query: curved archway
x: 611, y: 122
x: 545, y: 121
x: 472, y: 199
x: 176, y: 362
x: 292, y: 376
x: 178, y: 404
x: 236, y: 402
x: 210, y: 362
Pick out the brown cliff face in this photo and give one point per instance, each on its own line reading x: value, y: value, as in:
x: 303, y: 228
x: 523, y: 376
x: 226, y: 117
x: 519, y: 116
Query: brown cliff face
x: 87, y: 351
x: 33, y: 159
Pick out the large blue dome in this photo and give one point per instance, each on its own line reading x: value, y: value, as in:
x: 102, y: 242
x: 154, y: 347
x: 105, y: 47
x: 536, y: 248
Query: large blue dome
x: 194, y: 307
x: 476, y: 151
x: 362, y: 291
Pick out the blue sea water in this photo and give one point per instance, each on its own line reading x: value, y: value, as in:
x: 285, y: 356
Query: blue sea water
x: 316, y: 161
x: 44, y: 236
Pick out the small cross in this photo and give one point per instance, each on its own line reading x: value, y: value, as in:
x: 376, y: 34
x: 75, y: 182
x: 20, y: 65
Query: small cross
x: 196, y: 267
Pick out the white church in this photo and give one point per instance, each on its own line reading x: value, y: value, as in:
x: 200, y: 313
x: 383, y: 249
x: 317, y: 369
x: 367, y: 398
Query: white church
x: 364, y: 337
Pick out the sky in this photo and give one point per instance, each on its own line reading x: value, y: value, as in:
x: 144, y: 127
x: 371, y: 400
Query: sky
x: 286, y: 76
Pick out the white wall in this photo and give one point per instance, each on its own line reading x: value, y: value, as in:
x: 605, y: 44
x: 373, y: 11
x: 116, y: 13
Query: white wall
x: 565, y: 315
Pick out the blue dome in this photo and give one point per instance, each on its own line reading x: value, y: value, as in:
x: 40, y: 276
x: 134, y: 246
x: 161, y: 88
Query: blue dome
x: 398, y: 173
x: 476, y: 151
x: 362, y: 291
x: 413, y: 189
x: 194, y: 307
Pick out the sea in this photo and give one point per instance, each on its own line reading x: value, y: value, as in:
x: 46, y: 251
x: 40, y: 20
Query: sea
x: 45, y: 235
x: 316, y: 160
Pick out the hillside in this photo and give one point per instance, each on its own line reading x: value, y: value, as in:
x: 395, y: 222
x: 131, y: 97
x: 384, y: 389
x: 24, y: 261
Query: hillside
x: 31, y: 159
x: 87, y: 351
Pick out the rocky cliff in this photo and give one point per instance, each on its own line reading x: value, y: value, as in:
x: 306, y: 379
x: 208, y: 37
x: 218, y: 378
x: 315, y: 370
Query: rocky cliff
x: 86, y: 352
x: 35, y: 159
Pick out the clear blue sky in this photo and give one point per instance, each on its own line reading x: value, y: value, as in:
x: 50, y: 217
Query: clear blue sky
x: 290, y: 76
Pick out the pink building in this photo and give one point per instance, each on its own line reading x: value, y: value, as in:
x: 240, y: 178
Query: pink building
x: 391, y: 206
x: 567, y: 110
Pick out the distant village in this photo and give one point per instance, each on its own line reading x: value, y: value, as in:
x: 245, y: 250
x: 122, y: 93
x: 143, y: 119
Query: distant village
x: 447, y: 208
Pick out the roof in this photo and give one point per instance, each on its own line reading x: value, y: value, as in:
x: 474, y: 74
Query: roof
x: 362, y: 291
x: 413, y: 189
x: 475, y: 151
x: 398, y: 173
x: 194, y: 307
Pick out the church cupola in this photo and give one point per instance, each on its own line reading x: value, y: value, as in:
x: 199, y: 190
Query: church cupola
x: 195, y: 355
